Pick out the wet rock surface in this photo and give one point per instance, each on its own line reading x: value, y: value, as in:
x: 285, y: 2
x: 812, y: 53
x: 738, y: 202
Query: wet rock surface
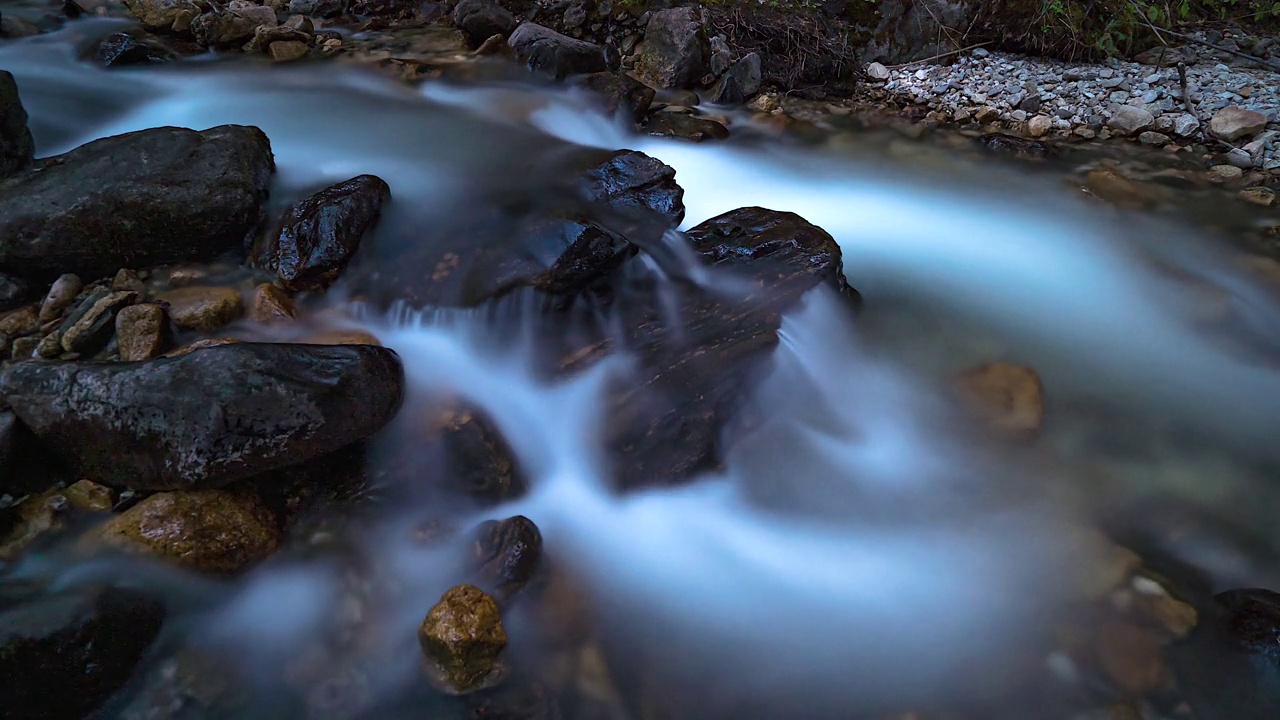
x: 208, y: 417
x: 125, y: 48
x: 479, y: 461
x: 1230, y: 665
x: 509, y: 555
x: 98, y: 208
x: 688, y: 127
x: 463, y: 639
x: 1006, y: 398
x: 320, y: 235
x: 212, y: 531
x: 63, y: 655
x: 16, y: 144
x: 546, y: 51
x: 621, y: 92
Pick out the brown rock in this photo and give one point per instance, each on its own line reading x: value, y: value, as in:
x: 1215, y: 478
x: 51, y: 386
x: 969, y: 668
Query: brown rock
x: 203, y: 308
x: 88, y: 495
x: 270, y: 304
x: 213, y: 531
x: 34, y: 517
x: 463, y: 639
x: 140, y: 332
x: 1008, y: 398
x: 24, y: 347
x: 288, y: 50
x: 1131, y: 656
x: 93, y: 329
x: 1122, y: 191
x: 341, y: 336
x: 1232, y: 123
x: 127, y: 279
x: 23, y: 321
x: 61, y: 295
x: 1266, y: 197
x: 50, y: 346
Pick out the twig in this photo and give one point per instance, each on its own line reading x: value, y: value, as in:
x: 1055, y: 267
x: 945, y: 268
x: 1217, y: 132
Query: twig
x: 1253, y: 58
x: 939, y: 56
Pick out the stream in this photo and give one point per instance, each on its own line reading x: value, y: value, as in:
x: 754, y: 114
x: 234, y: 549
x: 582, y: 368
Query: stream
x: 859, y: 553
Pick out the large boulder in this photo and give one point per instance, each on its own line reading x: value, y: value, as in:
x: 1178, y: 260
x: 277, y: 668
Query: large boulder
x: 321, y: 234
x: 546, y: 51
x: 205, y: 418
x: 16, y: 144
x: 482, y: 19
x: 62, y: 655
x: 152, y: 197
x: 675, y: 52
x: 1229, y: 667
x: 911, y: 30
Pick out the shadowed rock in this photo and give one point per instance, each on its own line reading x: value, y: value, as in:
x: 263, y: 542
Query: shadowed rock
x: 16, y: 144
x: 546, y: 51
x: 1229, y: 667
x: 208, y: 417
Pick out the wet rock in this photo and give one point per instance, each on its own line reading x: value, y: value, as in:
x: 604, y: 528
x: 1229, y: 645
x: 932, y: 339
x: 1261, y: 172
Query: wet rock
x: 547, y: 51
x: 232, y: 26
x: 270, y: 304
x: 23, y: 321
x: 1229, y: 667
x: 1007, y: 398
x: 739, y: 83
x: 265, y: 35
x: 125, y: 48
x: 1127, y: 120
x: 1123, y: 191
x: 479, y: 461
x: 161, y: 14
x: 98, y: 208
x: 1232, y: 123
x: 140, y: 332
x: 687, y: 127
x: 1262, y: 196
x: 91, y: 330
x: 482, y: 19
x: 463, y: 639
x: 207, y: 417
x: 287, y: 50
x: 1225, y: 173
x: 211, y: 531
x: 1131, y: 656
x: 203, y: 308
x: 621, y: 92
x: 508, y: 553
x: 341, y: 336
x: 675, y: 49
x: 632, y: 180
x: 88, y: 495
x: 321, y: 234
x: 63, y: 655
x: 17, y: 147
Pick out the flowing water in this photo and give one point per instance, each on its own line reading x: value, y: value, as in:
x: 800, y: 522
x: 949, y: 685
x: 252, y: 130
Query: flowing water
x: 859, y: 552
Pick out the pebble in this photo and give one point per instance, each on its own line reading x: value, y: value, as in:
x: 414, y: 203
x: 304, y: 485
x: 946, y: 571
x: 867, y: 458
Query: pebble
x: 1225, y: 173
x: 1153, y: 138
x: 1266, y: 197
x: 203, y: 308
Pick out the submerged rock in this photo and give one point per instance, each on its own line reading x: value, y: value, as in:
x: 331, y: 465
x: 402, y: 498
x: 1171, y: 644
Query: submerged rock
x: 63, y: 655
x: 675, y: 50
x: 211, y: 531
x: 17, y: 147
x: 98, y: 208
x: 621, y: 92
x: 463, y: 639
x: 321, y: 234
x: 509, y: 554
x: 1229, y: 667
x: 1007, y: 398
x: 124, y: 48
x: 480, y: 463
x: 547, y: 51
x: 207, y: 417
x: 688, y: 127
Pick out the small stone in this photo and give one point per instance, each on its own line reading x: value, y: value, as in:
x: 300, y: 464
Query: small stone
x: 1085, y: 132
x: 50, y: 346
x: 270, y: 304
x: 61, y: 295
x: 1018, y: 116
x: 1239, y: 158
x: 981, y: 52
x: 23, y: 321
x: 1031, y: 103
x: 987, y: 113
x: 765, y: 103
x: 1225, y: 173
x: 287, y: 50
x: 203, y: 308
x: 301, y: 23
x: 128, y: 280
x: 1008, y: 398
x: 88, y: 495
x: 212, y: 531
x: 1153, y: 138
x: 876, y: 71
x: 1266, y: 197
x: 1128, y: 120
x: 1233, y: 123
x: 93, y: 329
x: 463, y: 639
x: 24, y: 347
x: 140, y: 332
x: 1185, y: 125
x: 1038, y: 126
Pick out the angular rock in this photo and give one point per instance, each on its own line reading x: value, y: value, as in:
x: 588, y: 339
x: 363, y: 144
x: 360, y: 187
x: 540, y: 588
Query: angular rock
x: 1007, y: 398
x: 207, y: 417
x: 1039, y: 126
x: 1229, y: 667
x: 203, y: 308
x: 232, y: 26
x: 270, y: 304
x: 320, y: 235
x: 877, y: 71
x: 463, y: 639
x: 88, y: 495
x: 63, y: 655
x: 674, y: 53
x: 482, y: 19
x: 212, y: 531
x: 161, y: 14
x: 140, y: 332
x: 1186, y: 125
x: 1232, y: 123
x: 630, y: 180
x: 93, y: 328
x: 265, y: 35
x: 1128, y: 120
x: 17, y: 147
x: 287, y: 50
x: 22, y: 321
x: 739, y: 83
x: 621, y: 92
x: 688, y: 127
x: 98, y: 208
x: 124, y: 48
x: 128, y: 279
x: 546, y: 51
x: 508, y: 554
x: 910, y: 31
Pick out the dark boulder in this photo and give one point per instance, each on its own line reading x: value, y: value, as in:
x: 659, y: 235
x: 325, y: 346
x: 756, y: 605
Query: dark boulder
x: 547, y: 51
x: 675, y: 51
x: 208, y: 417
x: 1229, y: 667
x: 687, y: 127
x: 630, y: 180
x: 508, y: 555
x: 63, y: 655
x: 120, y: 202
x: 620, y: 92
x: 17, y: 147
x: 482, y: 19
x: 739, y: 83
x: 477, y: 458
x: 321, y: 234
x: 124, y: 48
x: 912, y: 30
